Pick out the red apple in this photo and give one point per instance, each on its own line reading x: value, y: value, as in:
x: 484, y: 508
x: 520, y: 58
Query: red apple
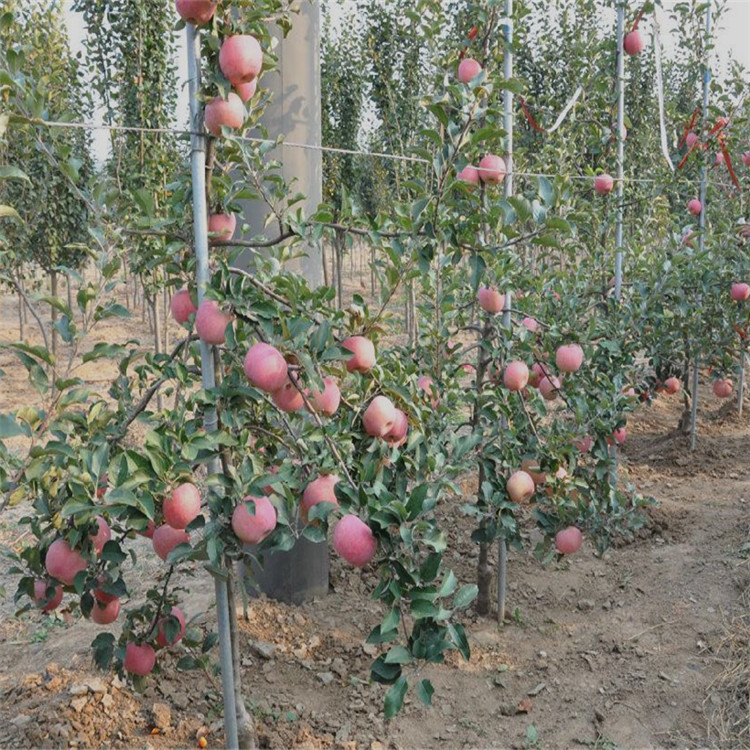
x: 101, y: 595
x: 746, y: 158
x: 740, y: 291
x: 672, y: 385
x: 723, y: 388
x: 520, y: 487
x: 427, y: 384
x: 105, y: 614
x: 532, y: 324
x: 240, y: 58
x: 694, y: 207
x: 620, y: 435
x: 288, y: 398
x: 492, y: 169
x: 603, y: 184
x: 246, y: 91
x: 139, y: 660
x: 397, y: 434
x: 687, y: 239
x: 182, y: 306
x: 535, y: 375
x: 490, y: 300
x: 229, y: 112
x: 379, y: 416
x: 468, y: 69
x: 45, y: 603
x: 534, y: 470
x: 222, y: 225
x: 583, y: 444
x: 102, y: 536
x: 516, y: 376
x: 165, y: 539
x: 469, y: 174
x: 63, y: 563
x: 196, y: 12
x: 363, y: 351
x: 161, y: 636
x: 320, y: 490
x: 548, y: 387
x: 568, y: 541
x: 211, y: 323
x: 354, y: 541
x: 569, y: 358
x: 328, y: 400
x: 633, y: 43
x: 265, y: 367
x: 182, y: 506
x: 719, y: 159
x: 691, y: 139
x: 252, y: 529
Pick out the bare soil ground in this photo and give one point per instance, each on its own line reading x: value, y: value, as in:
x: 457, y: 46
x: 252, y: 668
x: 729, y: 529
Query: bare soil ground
x: 643, y: 647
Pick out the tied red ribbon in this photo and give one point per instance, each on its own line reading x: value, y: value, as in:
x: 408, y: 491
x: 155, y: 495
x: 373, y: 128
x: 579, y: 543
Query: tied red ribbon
x: 471, y: 36
x: 719, y: 125
x: 728, y: 160
x: 689, y: 127
x: 534, y: 124
x: 638, y: 18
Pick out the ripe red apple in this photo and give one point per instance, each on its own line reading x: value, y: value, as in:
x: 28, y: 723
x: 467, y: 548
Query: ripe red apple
x: 535, y: 375
x: 492, y: 169
x: 379, y: 416
x: 63, y: 563
x: 165, y: 539
x: 196, y: 12
x: 691, y: 139
x: 354, y: 541
x: 105, y: 614
x: 694, y: 207
x: 468, y: 69
x: 532, y: 468
x: 149, y: 532
x: 532, y: 324
x: 548, y: 387
x: 252, y: 529
x: 102, y: 536
x: 427, y: 384
x: 182, y: 506
x: 102, y: 596
x: 569, y: 541
x: 161, y: 636
x: 516, y: 376
x: 583, y: 444
x: 490, y: 300
x: 211, y: 323
x: 397, y: 434
x: 520, y: 486
x: 740, y: 292
x: 469, y: 174
x: 687, y: 238
x: 746, y: 158
x: 240, y: 58
x: 229, y: 112
x: 723, y: 388
x: 222, y: 225
x: 40, y: 595
x: 265, y: 367
x: 288, y: 398
x: 672, y: 385
x: 182, y: 306
x: 364, y: 353
x: 620, y: 435
x: 328, y: 400
x: 569, y: 358
x: 719, y: 159
x: 603, y: 184
x: 320, y: 490
x: 139, y: 660
x: 633, y: 43
x: 246, y: 91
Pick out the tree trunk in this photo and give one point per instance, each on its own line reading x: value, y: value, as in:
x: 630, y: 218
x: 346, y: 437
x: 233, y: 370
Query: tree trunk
x: 20, y: 318
x: 372, y: 270
x: 165, y: 299
x: 339, y: 264
x: 154, y: 307
x: 326, y: 273
x: 53, y: 293
x: 69, y: 290
x: 484, y: 579
x: 245, y: 723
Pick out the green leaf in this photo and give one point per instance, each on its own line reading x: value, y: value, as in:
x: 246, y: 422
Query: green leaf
x: 8, y: 212
x: 104, y: 649
x: 394, y: 698
x: 465, y: 595
x: 425, y: 691
x: 9, y: 428
x: 13, y: 173
x: 398, y: 655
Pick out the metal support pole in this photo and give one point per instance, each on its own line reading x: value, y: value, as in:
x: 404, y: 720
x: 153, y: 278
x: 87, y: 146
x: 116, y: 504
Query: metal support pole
x: 208, y: 375
x: 502, y: 545
x: 701, y: 219
x: 508, y: 98
x: 741, y: 392
x: 620, y: 147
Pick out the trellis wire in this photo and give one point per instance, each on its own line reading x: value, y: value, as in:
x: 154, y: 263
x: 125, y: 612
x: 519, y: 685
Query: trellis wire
x: 701, y: 225
x: 208, y: 375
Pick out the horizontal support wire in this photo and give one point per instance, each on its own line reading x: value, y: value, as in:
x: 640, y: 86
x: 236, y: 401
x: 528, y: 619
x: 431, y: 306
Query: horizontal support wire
x: 290, y: 144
